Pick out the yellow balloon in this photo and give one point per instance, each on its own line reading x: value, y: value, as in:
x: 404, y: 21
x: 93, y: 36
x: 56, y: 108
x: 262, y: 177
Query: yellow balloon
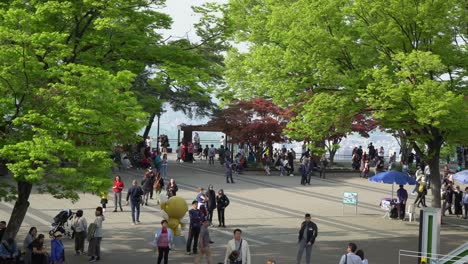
x: 173, y: 224
x: 176, y: 208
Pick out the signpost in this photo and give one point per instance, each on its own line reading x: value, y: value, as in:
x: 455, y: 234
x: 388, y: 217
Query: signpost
x: 350, y: 198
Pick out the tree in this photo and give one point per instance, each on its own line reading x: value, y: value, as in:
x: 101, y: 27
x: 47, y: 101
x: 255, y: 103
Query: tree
x: 67, y: 69
x: 303, y: 53
x: 257, y: 122
x: 185, y: 73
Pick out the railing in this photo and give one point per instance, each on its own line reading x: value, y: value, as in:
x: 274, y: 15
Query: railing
x: 454, y: 257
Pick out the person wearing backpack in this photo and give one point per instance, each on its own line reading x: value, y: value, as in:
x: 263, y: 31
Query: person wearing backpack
x: 135, y: 193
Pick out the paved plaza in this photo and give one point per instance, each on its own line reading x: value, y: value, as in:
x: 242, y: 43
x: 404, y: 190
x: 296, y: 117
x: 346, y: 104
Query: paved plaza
x: 268, y: 209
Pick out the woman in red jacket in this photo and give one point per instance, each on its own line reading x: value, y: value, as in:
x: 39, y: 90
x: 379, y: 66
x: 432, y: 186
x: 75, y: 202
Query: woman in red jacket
x: 118, y: 187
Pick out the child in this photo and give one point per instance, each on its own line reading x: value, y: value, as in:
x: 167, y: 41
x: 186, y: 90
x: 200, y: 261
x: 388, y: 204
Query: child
x: 104, y: 200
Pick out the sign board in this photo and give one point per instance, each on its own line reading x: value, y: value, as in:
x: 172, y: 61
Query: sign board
x: 350, y: 198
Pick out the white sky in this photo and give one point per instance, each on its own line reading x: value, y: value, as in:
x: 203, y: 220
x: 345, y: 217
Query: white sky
x: 183, y: 17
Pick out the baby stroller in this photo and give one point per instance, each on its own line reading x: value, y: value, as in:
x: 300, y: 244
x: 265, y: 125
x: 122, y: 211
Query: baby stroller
x: 63, y: 223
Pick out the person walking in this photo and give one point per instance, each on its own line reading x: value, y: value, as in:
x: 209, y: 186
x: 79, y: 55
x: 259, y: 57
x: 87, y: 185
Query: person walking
x: 148, y: 183
x: 118, y: 187
x: 447, y: 204
x: 465, y: 202
x: 266, y: 166
x: 458, y: 196
x: 57, y: 250
x: 402, y: 195
x: 237, y: 250
x: 211, y: 203
x: 204, y: 244
x: 229, y: 171
x: 163, y: 240
x: 164, y: 165
x: 94, y: 246
x: 135, y: 193
x: 30, y: 237
x: 421, y: 199
x: 172, y: 188
x: 307, y: 235
x: 79, y: 226
x: 211, y: 155
x: 158, y: 186
x: 222, y: 202
x: 196, y: 219
x: 350, y: 257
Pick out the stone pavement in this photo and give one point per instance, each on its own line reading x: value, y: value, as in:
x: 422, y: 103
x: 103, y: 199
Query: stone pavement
x: 269, y: 210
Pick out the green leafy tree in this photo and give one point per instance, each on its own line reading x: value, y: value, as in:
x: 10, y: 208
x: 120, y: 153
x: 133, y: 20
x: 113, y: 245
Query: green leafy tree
x: 67, y: 69
x: 184, y: 73
x: 334, y: 59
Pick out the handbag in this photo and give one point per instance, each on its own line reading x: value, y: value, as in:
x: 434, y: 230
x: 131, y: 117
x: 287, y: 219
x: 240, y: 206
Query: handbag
x: 235, y: 254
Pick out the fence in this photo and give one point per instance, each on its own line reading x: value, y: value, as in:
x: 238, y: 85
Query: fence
x: 408, y: 256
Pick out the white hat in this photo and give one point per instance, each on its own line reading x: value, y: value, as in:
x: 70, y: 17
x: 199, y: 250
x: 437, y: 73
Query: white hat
x: 58, y: 233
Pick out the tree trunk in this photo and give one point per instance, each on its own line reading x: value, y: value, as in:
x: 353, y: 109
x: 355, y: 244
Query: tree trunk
x: 19, y: 210
x: 433, y: 161
x: 405, y: 148
x: 149, y: 125
x: 332, y: 153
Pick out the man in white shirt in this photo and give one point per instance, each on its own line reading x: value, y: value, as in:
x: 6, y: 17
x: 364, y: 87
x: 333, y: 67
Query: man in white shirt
x: 237, y: 250
x: 350, y: 257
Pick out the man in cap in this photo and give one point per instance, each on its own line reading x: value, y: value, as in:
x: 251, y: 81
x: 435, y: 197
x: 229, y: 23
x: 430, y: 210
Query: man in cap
x: 307, y: 235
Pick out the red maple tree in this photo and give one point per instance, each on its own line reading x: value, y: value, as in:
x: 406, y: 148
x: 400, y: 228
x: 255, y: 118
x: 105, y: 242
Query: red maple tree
x: 258, y: 123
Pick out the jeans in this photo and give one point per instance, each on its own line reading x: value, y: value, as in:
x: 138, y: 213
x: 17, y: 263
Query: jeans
x: 194, y: 232
x: 211, y: 160
x: 118, y: 200
x: 303, y: 245
x: 135, y: 211
x: 163, y: 252
x: 164, y: 171
x: 229, y: 176
x: 221, y: 216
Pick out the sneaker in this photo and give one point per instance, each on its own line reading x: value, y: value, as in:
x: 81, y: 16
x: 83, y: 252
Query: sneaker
x: 92, y: 259
x: 138, y: 222
x: 133, y: 223
x: 291, y: 175
x: 188, y: 253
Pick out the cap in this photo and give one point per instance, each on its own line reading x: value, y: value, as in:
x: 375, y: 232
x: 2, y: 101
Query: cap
x: 58, y: 233
x: 307, y: 215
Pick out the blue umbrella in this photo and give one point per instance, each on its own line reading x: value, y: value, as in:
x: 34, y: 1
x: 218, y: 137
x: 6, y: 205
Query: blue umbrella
x: 392, y: 177
x: 461, y: 176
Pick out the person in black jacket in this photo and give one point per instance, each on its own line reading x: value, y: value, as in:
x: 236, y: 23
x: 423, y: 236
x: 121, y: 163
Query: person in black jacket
x: 135, y: 193
x: 211, y: 203
x: 221, y: 203
x: 307, y: 235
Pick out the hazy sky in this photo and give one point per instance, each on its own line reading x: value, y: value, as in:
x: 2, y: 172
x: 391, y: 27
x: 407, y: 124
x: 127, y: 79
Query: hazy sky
x: 183, y: 17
